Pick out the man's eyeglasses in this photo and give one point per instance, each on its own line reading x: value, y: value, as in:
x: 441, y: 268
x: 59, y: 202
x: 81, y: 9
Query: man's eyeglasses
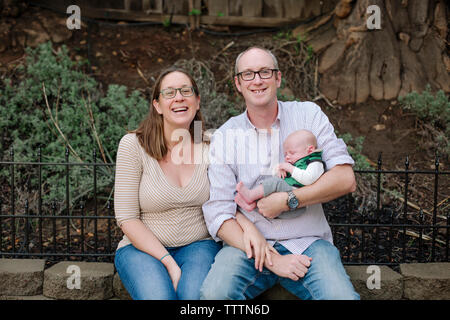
x: 250, y: 75
x: 170, y: 93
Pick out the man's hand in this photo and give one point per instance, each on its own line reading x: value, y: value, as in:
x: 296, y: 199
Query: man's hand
x: 273, y: 205
x: 292, y: 266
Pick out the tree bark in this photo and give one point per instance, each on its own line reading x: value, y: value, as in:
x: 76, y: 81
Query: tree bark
x: 409, y: 51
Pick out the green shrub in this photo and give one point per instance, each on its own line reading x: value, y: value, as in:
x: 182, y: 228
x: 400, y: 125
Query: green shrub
x: 354, y: 147
x: 433, y: 110
x: 54, y: 105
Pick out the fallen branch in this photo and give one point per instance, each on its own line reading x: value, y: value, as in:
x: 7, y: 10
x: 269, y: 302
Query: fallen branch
x: 412, y: 205
x: 223, y: 50
x: 424, y: 236
x: 443, y: 201
x: 92, y: 122
x: 142, y: 76
x: 56, y: 125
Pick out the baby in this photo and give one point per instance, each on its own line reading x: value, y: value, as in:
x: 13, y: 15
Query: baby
x: 303, y: 167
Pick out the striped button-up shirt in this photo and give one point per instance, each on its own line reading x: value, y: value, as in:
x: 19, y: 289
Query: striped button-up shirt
x: 241, y: 152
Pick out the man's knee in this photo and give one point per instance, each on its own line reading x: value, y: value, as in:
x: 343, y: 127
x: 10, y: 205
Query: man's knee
x: 221, y: 282
x: 346, y: 292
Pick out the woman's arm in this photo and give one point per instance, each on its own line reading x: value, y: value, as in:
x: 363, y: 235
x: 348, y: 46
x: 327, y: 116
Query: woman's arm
x: 143, y: 239
x: 127, y: 208
x: 254, y: 242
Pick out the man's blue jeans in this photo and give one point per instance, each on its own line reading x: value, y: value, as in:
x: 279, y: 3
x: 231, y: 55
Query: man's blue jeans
x: 233, y: 276
x: 146, y: 278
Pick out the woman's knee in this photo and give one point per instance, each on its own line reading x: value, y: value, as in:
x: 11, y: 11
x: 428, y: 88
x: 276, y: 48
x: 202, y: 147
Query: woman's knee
x: 144, y: 277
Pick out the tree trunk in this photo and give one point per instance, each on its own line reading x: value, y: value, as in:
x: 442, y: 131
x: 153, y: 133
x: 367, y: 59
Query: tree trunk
x: 409, y: 51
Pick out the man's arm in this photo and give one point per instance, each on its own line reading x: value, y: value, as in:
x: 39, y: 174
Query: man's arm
x: 333, y: 184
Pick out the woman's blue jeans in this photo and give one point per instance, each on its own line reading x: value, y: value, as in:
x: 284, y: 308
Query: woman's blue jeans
x: 233, y: 276
x: 146, y: 278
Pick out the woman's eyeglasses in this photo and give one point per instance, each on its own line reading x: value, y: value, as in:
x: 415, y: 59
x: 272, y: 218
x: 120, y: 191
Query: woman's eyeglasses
x: 170, y: 93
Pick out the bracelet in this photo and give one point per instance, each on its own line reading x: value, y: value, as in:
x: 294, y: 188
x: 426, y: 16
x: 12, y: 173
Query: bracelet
x: 167, y: 254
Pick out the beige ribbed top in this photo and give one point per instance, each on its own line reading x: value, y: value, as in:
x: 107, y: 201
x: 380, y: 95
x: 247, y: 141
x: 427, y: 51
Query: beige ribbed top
x: 174, y: 214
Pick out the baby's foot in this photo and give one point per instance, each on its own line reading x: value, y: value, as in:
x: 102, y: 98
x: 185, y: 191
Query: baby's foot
x: 246, y: 194
x: 243, y: 204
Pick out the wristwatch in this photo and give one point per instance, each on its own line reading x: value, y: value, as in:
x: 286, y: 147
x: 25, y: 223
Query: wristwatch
x: 292, y: 201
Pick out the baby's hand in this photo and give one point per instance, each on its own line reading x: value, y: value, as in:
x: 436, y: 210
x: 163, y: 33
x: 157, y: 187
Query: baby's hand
x: 283, y: 168
x: 281, y: 173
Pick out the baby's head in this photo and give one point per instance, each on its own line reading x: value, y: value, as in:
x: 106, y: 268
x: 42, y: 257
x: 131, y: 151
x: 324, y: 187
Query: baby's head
x: 299, y: 144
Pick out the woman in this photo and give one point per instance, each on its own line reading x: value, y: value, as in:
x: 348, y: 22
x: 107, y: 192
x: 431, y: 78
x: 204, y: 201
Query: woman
x: 160, y: 186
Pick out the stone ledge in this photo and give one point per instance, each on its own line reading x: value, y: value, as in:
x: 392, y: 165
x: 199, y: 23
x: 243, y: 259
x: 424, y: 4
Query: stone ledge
x: 390, y: 285
x: 25, y: 279
x: 426, y: 281
x: 21, y: 277
x: 119, y: 290
x: 96, y: 281
x: 38, y: 297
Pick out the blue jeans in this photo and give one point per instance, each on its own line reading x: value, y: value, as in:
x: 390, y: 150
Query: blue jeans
x: 233, y: 276
x: 146, y: 278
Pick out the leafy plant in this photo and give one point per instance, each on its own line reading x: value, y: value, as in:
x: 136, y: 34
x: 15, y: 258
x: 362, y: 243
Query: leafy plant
x: 354, y: 147
x: 167, y: 23
x: 434, y: 111
x: 54, y: 106
x: 195, y: 12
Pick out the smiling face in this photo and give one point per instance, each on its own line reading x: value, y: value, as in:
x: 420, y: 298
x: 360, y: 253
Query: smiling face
x: 179, y: 111
x: 258, y: 92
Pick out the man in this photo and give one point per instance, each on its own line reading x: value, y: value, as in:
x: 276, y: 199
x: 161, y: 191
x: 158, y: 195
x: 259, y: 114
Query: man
x: 233, y: 275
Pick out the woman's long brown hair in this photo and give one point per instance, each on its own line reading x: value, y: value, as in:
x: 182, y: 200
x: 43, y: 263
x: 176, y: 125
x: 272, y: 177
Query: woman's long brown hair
x: 150, y: 132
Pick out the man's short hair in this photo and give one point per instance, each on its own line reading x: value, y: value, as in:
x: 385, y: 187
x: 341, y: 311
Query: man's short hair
x: 275, y: 62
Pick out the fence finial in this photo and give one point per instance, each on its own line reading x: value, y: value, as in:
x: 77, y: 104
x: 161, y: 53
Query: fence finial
x: 436, y: 160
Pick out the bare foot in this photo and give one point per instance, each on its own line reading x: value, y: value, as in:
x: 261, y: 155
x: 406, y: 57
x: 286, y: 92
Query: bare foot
x: 243, y: 204
x: 248, y: 195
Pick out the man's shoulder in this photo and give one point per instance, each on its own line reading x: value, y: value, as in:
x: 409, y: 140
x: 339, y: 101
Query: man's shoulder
x: 233, y: 122
x: 299, y: 106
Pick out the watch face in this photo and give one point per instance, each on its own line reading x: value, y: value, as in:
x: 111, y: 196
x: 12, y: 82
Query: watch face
x: 293, y: 203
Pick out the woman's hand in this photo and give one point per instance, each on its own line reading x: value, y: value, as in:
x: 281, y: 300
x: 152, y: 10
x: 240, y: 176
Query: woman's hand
x: 257, y: 247
x: 174, y: 271
x: 255, y: 244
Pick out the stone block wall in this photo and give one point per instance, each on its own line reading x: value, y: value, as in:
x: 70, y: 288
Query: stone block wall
x: 28, y: 279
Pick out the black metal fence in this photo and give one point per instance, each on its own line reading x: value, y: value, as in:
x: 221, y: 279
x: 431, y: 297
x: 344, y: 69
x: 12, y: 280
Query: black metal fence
x: 384, y: 234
